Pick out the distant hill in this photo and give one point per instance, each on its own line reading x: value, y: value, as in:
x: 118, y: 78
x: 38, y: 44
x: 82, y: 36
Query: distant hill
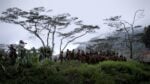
x: 116, y: 42
x: 3, y: 46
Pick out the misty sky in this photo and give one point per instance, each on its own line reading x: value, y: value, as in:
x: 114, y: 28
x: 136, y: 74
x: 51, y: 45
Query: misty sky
x: 90, y: 11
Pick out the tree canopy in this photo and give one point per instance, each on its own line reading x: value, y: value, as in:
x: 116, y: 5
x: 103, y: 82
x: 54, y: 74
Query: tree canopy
x: 39, y: 22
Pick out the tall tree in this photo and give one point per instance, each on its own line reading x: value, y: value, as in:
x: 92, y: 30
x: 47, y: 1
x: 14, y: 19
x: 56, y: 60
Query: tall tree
x: 38, y: 23
x: 58, y: 23
x: 127, y: 27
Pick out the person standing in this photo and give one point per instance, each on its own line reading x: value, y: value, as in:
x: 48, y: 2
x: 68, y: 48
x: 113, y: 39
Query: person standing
x: 12, y: 54
x: 61, y: 56
x: 21, y: 49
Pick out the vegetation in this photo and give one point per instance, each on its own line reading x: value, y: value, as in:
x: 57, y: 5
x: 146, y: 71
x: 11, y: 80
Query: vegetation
x: 73, y: 72
x: 35, y: 66
x: 46, y: 27
x: 127, y: 27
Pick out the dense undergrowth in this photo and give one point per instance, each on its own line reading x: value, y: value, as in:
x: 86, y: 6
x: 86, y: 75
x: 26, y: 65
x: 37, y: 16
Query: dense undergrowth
x: 74, y: 72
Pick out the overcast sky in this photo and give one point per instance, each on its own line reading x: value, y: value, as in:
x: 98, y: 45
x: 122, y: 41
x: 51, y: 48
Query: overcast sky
x: 90, y: 11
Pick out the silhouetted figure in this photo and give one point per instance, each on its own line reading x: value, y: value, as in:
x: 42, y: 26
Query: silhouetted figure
x: 91, y: 57
x: 12, y: 54
x: 61, y: 56
x: 78, y: 55
x: 73, y: 56
x: 87, y: 57
x: 55, y: 59
x: 82, y: 56
x: 124, y: 58
x: 21, y: 49
x: 67, y: 54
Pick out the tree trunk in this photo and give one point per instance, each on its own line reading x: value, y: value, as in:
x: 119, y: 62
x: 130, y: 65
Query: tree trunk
x: 41, y: 40
x: 48, y: 38
x: 53, y: 39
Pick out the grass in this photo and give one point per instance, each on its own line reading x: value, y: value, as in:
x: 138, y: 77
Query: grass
x: 75, y: 72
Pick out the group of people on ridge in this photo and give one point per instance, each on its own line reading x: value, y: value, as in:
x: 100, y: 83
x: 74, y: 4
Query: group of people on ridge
x: 90, y: 57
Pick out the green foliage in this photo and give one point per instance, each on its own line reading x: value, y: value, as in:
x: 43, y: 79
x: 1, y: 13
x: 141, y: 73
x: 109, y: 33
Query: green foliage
x: 75, y: 72
x: 125, y: 72
x: 45, y: 52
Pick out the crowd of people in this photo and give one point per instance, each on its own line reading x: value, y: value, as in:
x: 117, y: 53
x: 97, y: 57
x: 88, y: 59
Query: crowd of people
x: 80, y: 55
x: 90, y: 57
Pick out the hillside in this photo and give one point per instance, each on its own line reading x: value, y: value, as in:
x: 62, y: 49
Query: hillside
x: 118, y: 43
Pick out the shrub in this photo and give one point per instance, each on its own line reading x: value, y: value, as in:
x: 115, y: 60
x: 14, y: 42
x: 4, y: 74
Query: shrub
x: 125, y: 72
x: 75, y: 72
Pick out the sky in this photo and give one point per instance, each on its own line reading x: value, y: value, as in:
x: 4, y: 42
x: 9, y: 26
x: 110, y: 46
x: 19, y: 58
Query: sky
x: 90, y: 11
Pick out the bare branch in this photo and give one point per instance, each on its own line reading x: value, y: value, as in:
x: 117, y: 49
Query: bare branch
x: 73, y: 40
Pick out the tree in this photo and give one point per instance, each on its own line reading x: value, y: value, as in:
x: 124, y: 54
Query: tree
x: 38, y: 23
x: 146, y: 36
x: 75, y: 34
x: 58, y: 23
x: 127, y: 27
x: 31, y: 21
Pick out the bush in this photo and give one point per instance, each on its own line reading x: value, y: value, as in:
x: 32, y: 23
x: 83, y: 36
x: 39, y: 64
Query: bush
x: 125, y: 72
x: 75, y: 72
x: 45, y: 52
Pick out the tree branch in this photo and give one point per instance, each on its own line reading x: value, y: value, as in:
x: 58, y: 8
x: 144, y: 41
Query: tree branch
x: 73, y: 40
